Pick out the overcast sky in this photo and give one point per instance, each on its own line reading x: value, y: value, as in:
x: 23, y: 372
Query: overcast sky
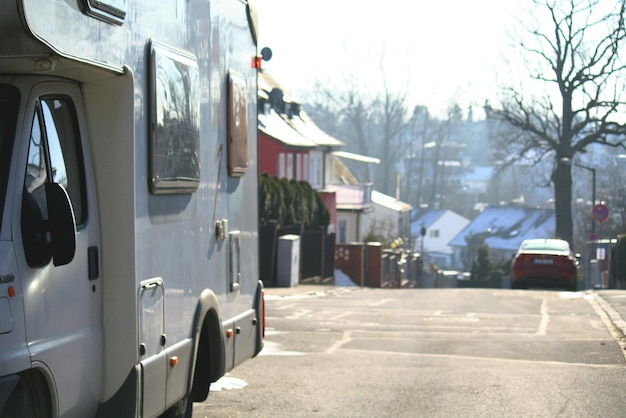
x: 443, y: 51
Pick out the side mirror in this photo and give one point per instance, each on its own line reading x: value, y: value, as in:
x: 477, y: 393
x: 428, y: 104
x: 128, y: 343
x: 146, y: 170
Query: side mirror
x: 61, y: 223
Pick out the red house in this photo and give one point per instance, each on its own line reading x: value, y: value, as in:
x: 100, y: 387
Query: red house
x: 291, y: 145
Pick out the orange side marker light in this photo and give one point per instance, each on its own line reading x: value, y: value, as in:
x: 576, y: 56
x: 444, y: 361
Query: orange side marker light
x: 173, y: 361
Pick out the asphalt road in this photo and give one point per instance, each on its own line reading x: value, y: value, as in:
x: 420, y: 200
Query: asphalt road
x: 350, y: 352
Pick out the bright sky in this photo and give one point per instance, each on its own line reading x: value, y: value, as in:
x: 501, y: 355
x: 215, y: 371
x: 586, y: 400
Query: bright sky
x: 443, y: 51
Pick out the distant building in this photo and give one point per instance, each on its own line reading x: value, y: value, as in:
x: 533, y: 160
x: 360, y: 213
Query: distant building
x: 392, y: 213
x: 354, y: 204
x: 290, y: 144
x: 439, y: 227
x: 502, y: 229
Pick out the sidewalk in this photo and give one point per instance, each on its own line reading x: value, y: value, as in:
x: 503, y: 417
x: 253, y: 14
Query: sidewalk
x: 613, y: 302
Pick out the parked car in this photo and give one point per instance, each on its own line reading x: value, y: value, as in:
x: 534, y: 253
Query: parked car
x: 544, y: 263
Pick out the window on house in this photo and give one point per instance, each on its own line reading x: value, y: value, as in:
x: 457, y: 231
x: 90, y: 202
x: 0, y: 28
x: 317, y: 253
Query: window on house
x: 342, y: 236
x: 298, y: 167
x: 433, y: 233
x: 305, y: 168
x: 281, y: 165
x: 315, y: 170
x: 289, y: 173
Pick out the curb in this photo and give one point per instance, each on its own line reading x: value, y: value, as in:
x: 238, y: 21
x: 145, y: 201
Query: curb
x: 305, y: 291
x: 616, y: 325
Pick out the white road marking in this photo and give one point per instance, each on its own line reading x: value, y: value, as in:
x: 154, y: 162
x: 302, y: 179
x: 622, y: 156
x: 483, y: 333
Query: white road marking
x: 545, y: 318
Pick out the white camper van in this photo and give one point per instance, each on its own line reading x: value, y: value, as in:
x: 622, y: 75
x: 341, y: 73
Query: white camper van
x: 128, y: 204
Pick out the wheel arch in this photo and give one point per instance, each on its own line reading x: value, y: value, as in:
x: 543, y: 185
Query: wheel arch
x: 210, y: 356
x: 32, y: 388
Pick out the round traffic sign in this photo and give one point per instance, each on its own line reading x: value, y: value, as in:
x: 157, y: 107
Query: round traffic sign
x: 600, y: 212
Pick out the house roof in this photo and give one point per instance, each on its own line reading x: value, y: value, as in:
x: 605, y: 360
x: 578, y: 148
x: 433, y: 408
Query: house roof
x: 306, y: 127
x: 266, y: 82
x: 296, y: 129
x: 426, y: 219
x: 390, y: 202
x: 505, y: 228
x: 274, y: 125
x: 356, y: 157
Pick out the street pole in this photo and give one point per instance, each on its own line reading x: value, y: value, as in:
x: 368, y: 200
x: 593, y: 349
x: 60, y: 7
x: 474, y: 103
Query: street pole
x: 593, y: 197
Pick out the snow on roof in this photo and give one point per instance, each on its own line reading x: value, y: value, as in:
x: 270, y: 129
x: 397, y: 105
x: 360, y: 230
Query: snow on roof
x: 426, y: 219
x: 266, y: 82
x: 390, y: 202
x: 356, y: 157
x: 306, y: 127
x: 274, y: 125
x: 505, y: 228
x: 303, y: 132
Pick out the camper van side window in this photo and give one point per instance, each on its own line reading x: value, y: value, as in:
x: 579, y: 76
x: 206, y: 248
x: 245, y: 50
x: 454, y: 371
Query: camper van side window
x: 34, y: 208
x: 54, y: 155
x: 174, y: 121
x: 237, y: 125
x: 66, y: 161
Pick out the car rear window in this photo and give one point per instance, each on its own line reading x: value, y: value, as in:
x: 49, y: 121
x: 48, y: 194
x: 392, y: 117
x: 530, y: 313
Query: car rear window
x: 549, y: 245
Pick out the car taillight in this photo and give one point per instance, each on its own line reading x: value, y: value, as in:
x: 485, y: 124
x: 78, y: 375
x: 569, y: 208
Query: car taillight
x: 566, y: 260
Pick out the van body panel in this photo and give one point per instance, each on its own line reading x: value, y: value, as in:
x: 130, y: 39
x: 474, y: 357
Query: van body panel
x: 126, y: 107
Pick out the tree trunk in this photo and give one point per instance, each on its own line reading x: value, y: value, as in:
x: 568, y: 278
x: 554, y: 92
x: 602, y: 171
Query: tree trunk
x: 562, y: 180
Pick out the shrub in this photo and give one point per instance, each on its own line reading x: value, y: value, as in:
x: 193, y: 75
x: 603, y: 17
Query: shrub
x: 289, y: 201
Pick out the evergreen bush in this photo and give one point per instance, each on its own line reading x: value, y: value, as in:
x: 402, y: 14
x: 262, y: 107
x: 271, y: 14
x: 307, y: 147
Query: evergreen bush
x: 289, y: 201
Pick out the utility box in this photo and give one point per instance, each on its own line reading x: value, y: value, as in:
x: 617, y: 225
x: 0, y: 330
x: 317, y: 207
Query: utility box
x: 595, y: 274
x: 288, y: 261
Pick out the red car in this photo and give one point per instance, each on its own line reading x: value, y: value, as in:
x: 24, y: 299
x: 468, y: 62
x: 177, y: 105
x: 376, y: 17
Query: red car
x: 544, y: 263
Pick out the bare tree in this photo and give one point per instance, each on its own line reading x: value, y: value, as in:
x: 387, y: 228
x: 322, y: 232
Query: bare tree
x: 375, y: 124
x: 414, y: 161
x: 576, y: 57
